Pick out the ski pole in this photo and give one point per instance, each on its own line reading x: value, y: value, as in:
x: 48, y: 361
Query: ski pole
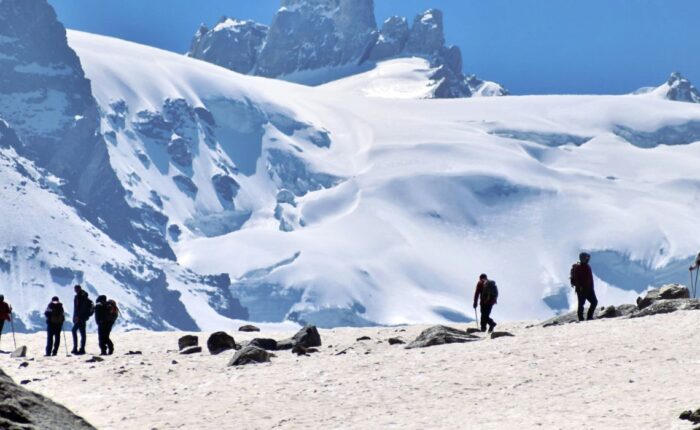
x: 12, y: 323
x: 65, y: 341
x: 695, y: 285
x: 476, y: 321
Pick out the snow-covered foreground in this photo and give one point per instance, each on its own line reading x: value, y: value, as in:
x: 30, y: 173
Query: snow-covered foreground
x: 599, y: 375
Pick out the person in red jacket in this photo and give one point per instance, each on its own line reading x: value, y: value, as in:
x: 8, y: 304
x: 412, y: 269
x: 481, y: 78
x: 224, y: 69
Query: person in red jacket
x: 486, y: 303
x: 5, y: 313
x: 582, y: 282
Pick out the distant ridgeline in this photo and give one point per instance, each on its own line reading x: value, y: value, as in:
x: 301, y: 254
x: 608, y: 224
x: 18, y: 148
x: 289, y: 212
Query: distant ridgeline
x: 325, y: 35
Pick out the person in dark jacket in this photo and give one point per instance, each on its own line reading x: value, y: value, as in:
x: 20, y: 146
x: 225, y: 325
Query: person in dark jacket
x: 55, y: 316
x: 485, y: 302
x: 105, y: 320
x: 582, y: 282
x: 82, y: 310
x: 5, y: 313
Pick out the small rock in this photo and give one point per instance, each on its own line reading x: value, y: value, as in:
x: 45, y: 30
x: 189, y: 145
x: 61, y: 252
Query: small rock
x: 285, y: 344
x: 248, y: 328
x: 187, y: 341
x: 472, y: 330
x: 134, y: 353
x: 497, y: 334
x: 396, y: 341
x: 173, y: 362
x: 20, y: 352
x: 440, y: 335
x: 307, y: 337
x: 25, y: 381
x: 219, y: 342
x: 24, y: 364
x: 94, y: 359
x: 311, y: 350
x: 249, y: 355
x: 191, y: 350
x: 360, y: 339
x: 266, y: 344
x: 299, y: 350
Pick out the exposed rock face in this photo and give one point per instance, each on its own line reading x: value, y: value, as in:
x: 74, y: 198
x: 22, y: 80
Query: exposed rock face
x: 480, y: 88
x: 219, y: 342
x: 667, y: 292
x: 231, y: 43
x: 681, y: 89
x: 47, y: 100
x: 667, y: 306
x: 250, y: 355
x: 187, y: 341
x: 440, y: 335
x: 307, y: 337
x: 21, y: 409
x: 308, y: 35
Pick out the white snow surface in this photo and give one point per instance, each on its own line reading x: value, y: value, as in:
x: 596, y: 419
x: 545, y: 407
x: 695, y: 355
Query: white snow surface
x: 430, y: 197
x: 607, y: 374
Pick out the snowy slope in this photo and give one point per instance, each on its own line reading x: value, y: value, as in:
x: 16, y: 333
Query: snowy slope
x: 361, y: 209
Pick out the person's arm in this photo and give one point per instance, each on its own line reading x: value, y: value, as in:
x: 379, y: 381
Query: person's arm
x: 477, y: 293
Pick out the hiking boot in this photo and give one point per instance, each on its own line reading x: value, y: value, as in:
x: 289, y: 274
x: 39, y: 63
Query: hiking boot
x: 81, y: 352
x: 54, y: 353
x: 110, y: 352
x: 74, y: 351
x: 491, y: 327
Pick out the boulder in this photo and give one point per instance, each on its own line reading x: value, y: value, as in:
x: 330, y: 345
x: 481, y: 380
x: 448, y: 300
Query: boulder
x: 20, y: 352
x: 191, y: 350
x: 691, y: 416
x: 285, y: 344
x: 497, y: 334
x: 21, y: 409
x: 472, y: 330
x: 187, y: 341
x: 395, y: 341
x: 307, y: 337
x: 440, y: 335
x: 248, y: 328
x: 262, y: 343
x: 250, y: 355
x: 667, y: 292
x: 219, y: 342
x: 667, y: 306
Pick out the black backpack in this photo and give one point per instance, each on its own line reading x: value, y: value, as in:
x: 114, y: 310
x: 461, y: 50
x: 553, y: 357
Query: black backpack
x: 490, y: 291
x: 572, y: 274
x: 56, y: 316
x: 90, y: 305
x: 111, y: 311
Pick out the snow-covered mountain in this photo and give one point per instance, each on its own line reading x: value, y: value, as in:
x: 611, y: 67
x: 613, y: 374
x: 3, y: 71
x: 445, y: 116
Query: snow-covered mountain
x: 677, y: 88
x: 318, y: 41
x: 351, y: 203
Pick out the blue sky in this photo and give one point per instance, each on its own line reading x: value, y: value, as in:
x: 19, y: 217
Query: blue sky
x: 530, y: 46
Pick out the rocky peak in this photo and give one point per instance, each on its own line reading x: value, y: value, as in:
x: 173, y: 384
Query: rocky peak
x: 392, y: 38
x: 232, y: 43
x: 681, y: 89
x: 427, y: 34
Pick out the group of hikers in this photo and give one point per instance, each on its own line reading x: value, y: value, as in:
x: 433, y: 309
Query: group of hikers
x: 581, y: 278
x: 105, y: 311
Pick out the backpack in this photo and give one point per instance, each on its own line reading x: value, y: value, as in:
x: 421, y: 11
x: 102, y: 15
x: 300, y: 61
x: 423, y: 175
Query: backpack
x: 111, y: 311
x: 56, y: 316
x: 490, y: 292
x: 91, y: 307
x: 572, y: 274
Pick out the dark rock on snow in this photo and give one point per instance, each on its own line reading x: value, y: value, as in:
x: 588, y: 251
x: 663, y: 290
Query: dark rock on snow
x: 285, y: 344
x: 95, y: 359
x: 300, y: 350
x: 497, y: 334
x: 187, y: 341
x: 250, y: 355
x: 667, y: 306
x: 440, y: 335
x: 20, y: 352
x: 262, y: 343
x: 472, y: 330
x: 307, y: 337
x: 191, y: 350
x: 396, y: 341
x: 360, y: 339
x: 219, y: 342
x: 21, y: 409
x: 667, y: 292
x: 248, y: 328
x: 691, y: 416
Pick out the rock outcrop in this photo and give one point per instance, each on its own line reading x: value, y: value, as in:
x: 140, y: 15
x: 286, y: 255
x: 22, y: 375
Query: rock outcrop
x: 187, y: 341
x: 219, y: 342
x: 680, y: 89
x: 308, y: 337
x: 667, y: 292
x: 314, y: 35
x: 441, y: 335
x: 250, y: 355
x: 21, y: 409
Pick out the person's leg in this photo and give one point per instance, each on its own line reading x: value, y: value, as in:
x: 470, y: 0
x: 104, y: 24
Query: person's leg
x: 581, y: 303
x: 83, y: 336
x: 484, y: 317
x: 110, y: 345
x: 101, y: 339
x: 49, y: 339
x: 593, y: 300
x: 74, y: 332
x: 56, y: 338
x: 487, y: 312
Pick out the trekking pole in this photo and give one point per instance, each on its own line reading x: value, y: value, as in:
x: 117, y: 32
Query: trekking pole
x: 695, y: 285
x: 65, y: 342
x: 12, y: 323
x: 476, y: 321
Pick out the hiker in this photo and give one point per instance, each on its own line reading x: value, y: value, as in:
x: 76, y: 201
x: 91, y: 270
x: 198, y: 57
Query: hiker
x: 582, y: 282
x: 487, y: 291
x: 5, y: 313
x: 55, y: 316
x: 106, y: 313
x: 83, y: 309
